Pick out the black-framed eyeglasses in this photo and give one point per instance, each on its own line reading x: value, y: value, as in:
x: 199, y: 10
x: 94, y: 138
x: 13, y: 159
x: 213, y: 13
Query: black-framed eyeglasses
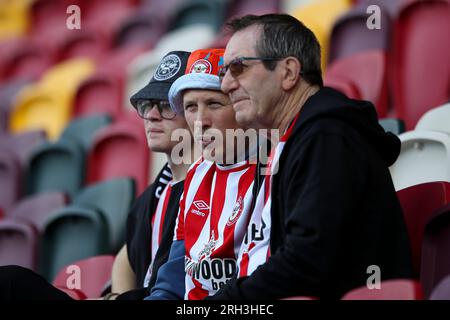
x: 236, y: 66
x: 143, y: 108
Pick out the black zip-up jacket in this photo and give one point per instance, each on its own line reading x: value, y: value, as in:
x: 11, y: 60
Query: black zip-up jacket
x: 334, y: 212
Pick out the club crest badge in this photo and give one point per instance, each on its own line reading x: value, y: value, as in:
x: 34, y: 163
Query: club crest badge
x: 201, y: 66
x: 168, y: 67
x: 237, y: 210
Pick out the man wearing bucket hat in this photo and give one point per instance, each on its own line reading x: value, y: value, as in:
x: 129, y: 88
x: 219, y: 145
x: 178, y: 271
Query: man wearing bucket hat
x: 152, y: 218
x: 215, y: 206
x: 159, y: 203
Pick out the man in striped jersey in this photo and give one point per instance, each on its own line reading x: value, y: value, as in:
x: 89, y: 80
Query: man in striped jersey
x: 327, y: 211
x: 152, y: 219
x: 216, y: 203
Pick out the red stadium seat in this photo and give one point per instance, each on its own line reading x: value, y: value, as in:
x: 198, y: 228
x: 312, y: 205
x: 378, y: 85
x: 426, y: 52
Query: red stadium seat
x: 350, y: 34
x: 82, y: 43
x: 100, y: 93
x: 418, y: 203
x: 390, y: 290
x: 104, y: 91
x: 95, y: 273
x: 113, y: 149
x: 48, y: 17
x: 420, y: 64
x: 344, y: 85
x: 368, y: 72
x: 144, y: 28
x: 105, y: 17
x: 436, y: 250
x: 23, y: 58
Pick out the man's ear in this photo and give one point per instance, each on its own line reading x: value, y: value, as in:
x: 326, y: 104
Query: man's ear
x: 291, y: 72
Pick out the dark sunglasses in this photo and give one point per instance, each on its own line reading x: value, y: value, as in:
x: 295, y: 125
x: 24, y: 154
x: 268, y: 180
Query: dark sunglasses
x: 143, y: 108
x: 236, y: 66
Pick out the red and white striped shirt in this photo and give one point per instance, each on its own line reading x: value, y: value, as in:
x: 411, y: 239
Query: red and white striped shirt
x: 255, y: 249
x: 213, y: 219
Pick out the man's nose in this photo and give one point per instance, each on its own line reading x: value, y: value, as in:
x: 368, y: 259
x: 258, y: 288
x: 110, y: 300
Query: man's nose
x: 153, y: 114
x: 228, y: 83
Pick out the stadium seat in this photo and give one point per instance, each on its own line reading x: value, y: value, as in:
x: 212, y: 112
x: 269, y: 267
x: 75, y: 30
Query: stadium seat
x: 345, y: 85
x: 424, y: 157
x: 189, y: 38
x: 418, y: 203
x: 81, y: 43
x: 419, y: 82
x: 368, y: 70
x: 14, y: 21
x: 48, y: 17
x: 100, y: 93
x: 70, y: 234
x: 94, y: 271
x: 47, y: 105
x: 22, y: 145
x: 436, y: 250
x: 320, y: 17
x: 113, y: 148
x: 390, y: 290
x: 10, y: 179
x: 106, y: 17
x: 350, y: 34
x: 242, y: 7
x: 436, y: 119
x: 38, y: 109
x: 58, y: 166
x: 8, y: 92
x: 83, y: 129
x: 18, y: 244
x: 442, y: 290
x: 114, y: 199
x: 36, y: 209
x: 23, y: 58
x: 144, y: 27
x: 209, y: 12
x: 392, y: 7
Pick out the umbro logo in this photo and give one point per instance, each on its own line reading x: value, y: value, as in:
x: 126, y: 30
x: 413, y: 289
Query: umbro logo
x: 200, y: 206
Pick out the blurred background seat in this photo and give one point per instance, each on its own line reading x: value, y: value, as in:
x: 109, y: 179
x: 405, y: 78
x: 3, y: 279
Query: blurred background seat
x: 424, y: 157
x: 95, y: 273
x: 419, y: 202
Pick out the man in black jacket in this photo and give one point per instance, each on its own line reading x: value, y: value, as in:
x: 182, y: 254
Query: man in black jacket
x: 330, y: 213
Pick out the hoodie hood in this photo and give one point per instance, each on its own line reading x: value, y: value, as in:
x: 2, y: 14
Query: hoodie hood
x: 361, y: 115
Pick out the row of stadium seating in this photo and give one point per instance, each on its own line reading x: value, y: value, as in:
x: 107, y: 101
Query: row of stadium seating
x: 67, y: 133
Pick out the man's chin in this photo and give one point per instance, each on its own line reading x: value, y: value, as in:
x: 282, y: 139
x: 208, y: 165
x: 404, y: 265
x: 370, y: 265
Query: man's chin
x: 156, y: 147
x: 244, y: 119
